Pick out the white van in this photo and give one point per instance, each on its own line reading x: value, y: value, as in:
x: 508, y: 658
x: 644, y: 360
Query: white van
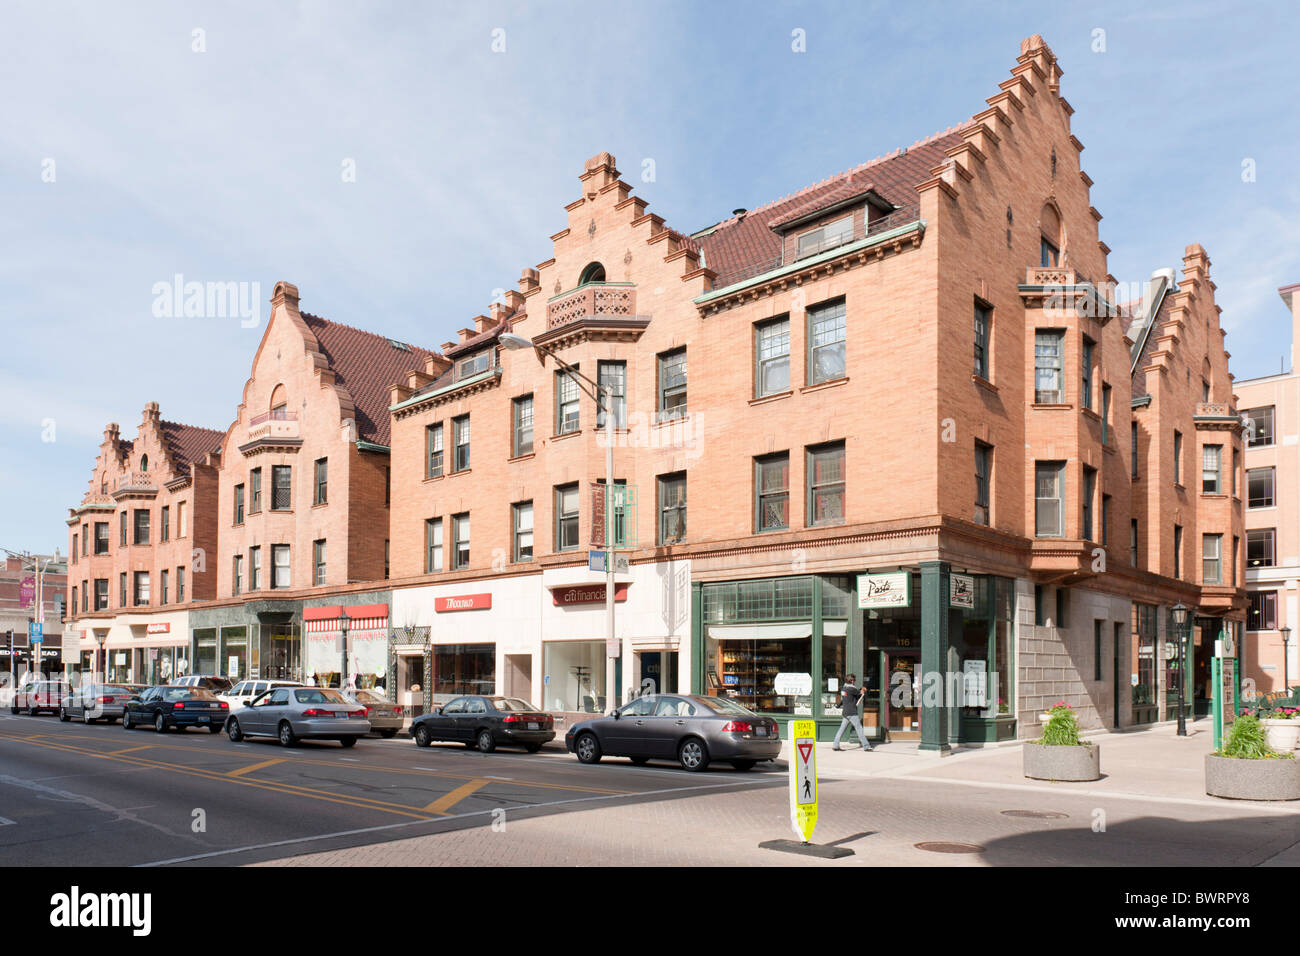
x: 246, y: 690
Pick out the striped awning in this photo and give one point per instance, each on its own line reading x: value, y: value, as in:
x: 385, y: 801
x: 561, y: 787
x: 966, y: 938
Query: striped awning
x: 354, y: 625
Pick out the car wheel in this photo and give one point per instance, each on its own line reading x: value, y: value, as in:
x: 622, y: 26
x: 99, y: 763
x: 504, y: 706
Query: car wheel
x: 214, y: 728
x: 13, y: 708
x: 159, y: 723
x: 743, y: 764
x: 422, y: 736
x: 485, y: 742
x: 532, y: 748
x: 233, y: 731
x: 693, y: 755
x: 287, y: 739
x: 63, y: 715
x: 587, y: 747
x: 126, y: 720
x: 348, y: 741
x: 86, y: 718
x: 640, y: 761
x: 388, y: 734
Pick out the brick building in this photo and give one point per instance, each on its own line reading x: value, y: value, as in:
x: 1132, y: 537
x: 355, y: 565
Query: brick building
x: 18, y: 597
x: 894, y: 423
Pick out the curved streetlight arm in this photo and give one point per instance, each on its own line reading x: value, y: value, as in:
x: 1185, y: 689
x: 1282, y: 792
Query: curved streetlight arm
x: 591, y: 387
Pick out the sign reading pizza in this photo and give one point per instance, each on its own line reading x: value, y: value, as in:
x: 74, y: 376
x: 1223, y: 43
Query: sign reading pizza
x: 463, y: 602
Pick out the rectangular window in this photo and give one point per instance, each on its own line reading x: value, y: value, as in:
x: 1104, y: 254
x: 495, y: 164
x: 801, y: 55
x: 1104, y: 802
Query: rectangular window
x: 1089, y: 492
x: 772, y: 357
x: 121, y: 589
x: 255, y: 491
x: 772, y: 492
x: 826, y: 335
x: 566, y: 517
x: 523, y: 426
x: 1236, y: 464
x: 388, y: 486
x: 1211, y: 456
x: 1047, y: 254
x: 567, y: 408
x: 825, y: 466
x: 983, y: 471
x: 1236, y: 545
x: 1085, y: 388
x: 279, y: 566
x: 85, y: 541
x: 239, y: 504
x: 613, y: 376
x: 1211, y: 559
x: 460, y: 441
x: 101, y: 537
x: 1040, y: 609
x: 672, y: 508
x: 1105, y: 414
x: 237, y: 575
x: 476, y: 364
x: 1133, y: 542
x: 74, y: 554
x: 1178, y: 551
x: 1061, y: 596
x: 180, y: 585
x: 1049, y: 483
x: 1260, y: 551
x: 181, y: 527
x: 142, y: 526
x: 1178, y: 457
x: 1105, y: 521
x: 122, y: 522
x: 164, y: 524
x: 318, y: 562
x: 101, y: 594
x: 1259, y: 426
x: 141, y: 581
x: 522, y: 519
x: 255, y: 568
x: 672, y: 384
x: 1133, y: 447
x: 164, y: 582
x: 322, y: 481
x: 1049, y: 367
x: 1262, y: 615
x: 983, y: 320
x: 1259, y: 487
x: 826, y: 237
x: 1096, y: 649
x: 386, y: 542
x: 460, y: 539
x: 281, y: 487
x: 433, y: 450
x: 432, y: 545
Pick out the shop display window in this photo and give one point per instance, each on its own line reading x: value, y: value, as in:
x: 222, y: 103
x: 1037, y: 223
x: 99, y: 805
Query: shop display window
x: 574, y: 676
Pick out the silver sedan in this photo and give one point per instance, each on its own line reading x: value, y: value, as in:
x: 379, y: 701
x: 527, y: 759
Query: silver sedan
x: 300, y: 713
x: 92, y: 702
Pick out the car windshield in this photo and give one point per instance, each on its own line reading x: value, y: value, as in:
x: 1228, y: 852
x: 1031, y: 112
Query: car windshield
x: 366, y: 697
x: 188, y: 693
x: 114, y: 689
x: 318, y: 697
x: 513, y: 705
x: 721, y: 705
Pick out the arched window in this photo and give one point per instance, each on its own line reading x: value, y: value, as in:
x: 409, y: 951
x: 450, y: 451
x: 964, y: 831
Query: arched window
x: 279, y: 402
x: 144, y: 462
x: 594, y: 272
x: 1050, y: 242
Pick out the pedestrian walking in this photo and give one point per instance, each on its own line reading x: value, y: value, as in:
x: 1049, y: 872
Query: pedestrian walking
x: 850, y: 694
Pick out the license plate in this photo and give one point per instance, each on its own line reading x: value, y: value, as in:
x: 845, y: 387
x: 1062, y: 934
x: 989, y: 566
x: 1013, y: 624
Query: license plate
x: 761, y: 731
x: 203, y: 720
x: 533, y: 725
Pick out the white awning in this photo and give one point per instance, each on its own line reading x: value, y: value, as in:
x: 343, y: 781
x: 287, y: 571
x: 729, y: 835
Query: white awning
x: 760, y: 632
x: 835, y: 628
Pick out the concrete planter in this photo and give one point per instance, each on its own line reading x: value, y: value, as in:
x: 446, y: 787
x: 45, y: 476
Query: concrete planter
x: 1047, y: 762
x: 1283, y: 735
x: 1239, y: 779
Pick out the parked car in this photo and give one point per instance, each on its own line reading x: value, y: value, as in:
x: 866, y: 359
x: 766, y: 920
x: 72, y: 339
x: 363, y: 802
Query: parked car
x: 92, y: 702
x: 691, y: 729
x: 385, y: 716
x: 485, y: 723
x: 218, y: 685
x: 300, y: 713
x: 174, y: 705
x: 41, y: 695
x: 246, y: 690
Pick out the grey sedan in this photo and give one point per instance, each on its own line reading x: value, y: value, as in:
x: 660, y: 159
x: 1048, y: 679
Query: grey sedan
x: 92, y: 702
x: 689, y: 728
x: 386, y: 717
x: 300, y: 713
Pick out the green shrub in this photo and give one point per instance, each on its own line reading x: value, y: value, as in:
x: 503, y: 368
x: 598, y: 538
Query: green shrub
x: 1062, y: 729
x: 1247, y: 740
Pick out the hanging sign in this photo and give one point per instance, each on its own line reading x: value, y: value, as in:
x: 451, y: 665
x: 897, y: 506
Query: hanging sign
x: 803, y: 778
x: 961, y: 591
x: 884, y: 590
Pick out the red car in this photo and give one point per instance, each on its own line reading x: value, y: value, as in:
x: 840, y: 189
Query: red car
x: 42, y: 695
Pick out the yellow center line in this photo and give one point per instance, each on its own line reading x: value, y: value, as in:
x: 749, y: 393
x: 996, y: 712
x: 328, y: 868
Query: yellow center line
x: 129, y: 750
x: 256, y: 766
x: 449, y: 800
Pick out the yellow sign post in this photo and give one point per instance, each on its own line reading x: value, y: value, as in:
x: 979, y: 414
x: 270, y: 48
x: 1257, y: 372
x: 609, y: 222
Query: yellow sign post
x: 803, y: 778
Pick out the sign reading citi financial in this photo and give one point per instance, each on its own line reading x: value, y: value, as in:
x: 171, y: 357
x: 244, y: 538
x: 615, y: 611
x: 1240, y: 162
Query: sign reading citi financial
x: 463, y: 602
x: 884, y: 590
x: 585, y: 594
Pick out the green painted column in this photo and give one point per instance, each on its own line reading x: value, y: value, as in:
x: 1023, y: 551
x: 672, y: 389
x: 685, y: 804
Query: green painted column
x: 934, y: 655
x: 699, y: 683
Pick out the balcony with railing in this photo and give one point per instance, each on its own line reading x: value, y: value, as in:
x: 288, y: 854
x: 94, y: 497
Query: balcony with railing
x: 615, y: 300
x: 1054, y: 275
x: 275, y: 424
x: 136, y: 482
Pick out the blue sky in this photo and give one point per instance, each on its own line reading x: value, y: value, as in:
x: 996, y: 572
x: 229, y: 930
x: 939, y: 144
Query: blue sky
x: 226, y: 165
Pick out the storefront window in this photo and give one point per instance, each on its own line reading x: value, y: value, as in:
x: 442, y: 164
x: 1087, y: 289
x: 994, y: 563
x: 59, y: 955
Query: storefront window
x: 464, y: 669
x: 205, y: 651
x: 280, y: 652
x: 574, y: 676
x: 233, y: 659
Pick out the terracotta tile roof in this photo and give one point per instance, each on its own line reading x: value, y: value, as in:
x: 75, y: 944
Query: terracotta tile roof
x: 187, y: 444
x: 848, y: 188
x: 366, y: 364
x: 491, y: 332
x: 744, y: 246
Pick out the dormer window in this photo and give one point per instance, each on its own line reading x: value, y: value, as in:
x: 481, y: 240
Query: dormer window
x: 475, y: 364
x: 825, y: 237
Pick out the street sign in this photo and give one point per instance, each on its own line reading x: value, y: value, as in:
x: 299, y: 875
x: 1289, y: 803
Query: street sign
x: 35, y: 632
x: 803, y: 778
x: 596, y: 562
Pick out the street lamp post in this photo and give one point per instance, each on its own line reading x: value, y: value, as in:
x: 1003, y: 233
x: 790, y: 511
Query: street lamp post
x: 1286, y: 658
x: 603, y: 396
x: 343, y: 643
x: 1180, y: 614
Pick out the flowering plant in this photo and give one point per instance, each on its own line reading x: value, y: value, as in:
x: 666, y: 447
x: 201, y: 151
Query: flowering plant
x: 1002, y: 706
x: 1280, y: 713
x: 1062, y: 728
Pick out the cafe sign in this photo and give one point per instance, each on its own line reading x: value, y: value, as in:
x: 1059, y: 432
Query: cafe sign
x: 961, y: 591
x: 884, y: 590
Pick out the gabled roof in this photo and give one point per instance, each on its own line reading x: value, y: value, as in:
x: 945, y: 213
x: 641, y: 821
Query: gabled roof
x: 366, y: 364
x: 746, y: 244
x: 1146, y: 344
x: 187, y: 444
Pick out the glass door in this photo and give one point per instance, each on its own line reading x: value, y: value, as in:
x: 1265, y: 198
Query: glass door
x: 902, y: 694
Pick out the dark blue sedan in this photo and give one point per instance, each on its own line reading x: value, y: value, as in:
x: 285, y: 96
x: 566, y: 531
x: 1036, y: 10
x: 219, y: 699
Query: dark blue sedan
x: 171, y: 705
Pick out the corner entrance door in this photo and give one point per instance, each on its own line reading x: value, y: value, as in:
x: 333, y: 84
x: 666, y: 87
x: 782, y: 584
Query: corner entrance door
x: 901, y: 691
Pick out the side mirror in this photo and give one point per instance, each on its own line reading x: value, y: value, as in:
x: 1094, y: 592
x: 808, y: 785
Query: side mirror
x: 615, y: 714
x: 248, y: 703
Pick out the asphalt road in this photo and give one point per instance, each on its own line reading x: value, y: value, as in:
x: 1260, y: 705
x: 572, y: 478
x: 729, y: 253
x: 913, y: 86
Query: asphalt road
x: 99, y: 795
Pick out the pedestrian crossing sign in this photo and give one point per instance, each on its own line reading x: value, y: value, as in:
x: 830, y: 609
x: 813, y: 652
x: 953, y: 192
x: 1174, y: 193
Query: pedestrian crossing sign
x: 803, y: 778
